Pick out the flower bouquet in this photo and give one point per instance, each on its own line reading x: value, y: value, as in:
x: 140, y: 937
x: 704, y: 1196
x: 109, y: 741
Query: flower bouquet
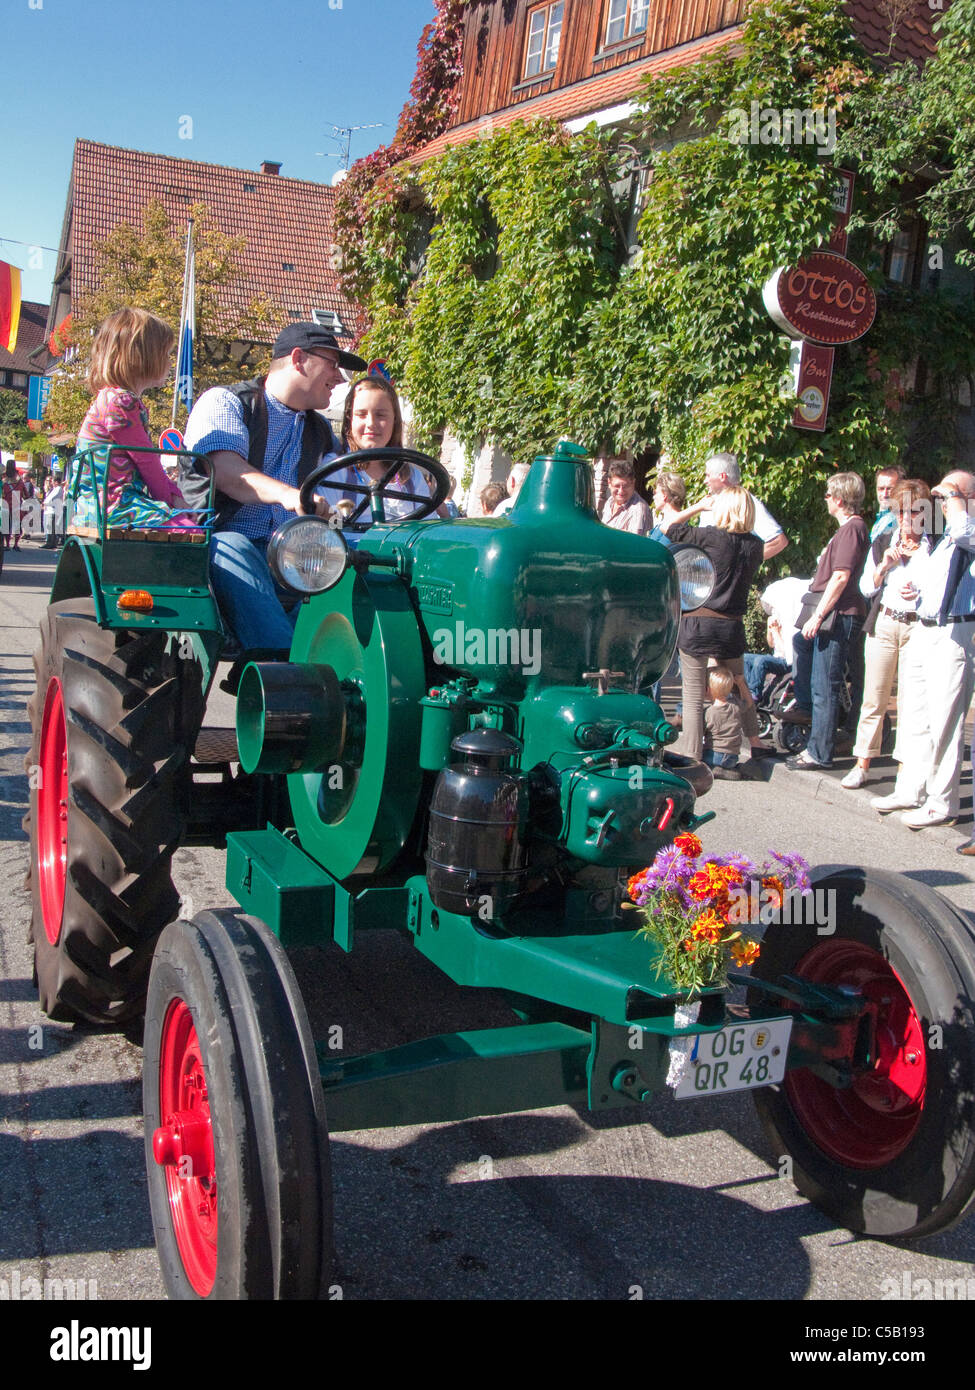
x: 694, y: 908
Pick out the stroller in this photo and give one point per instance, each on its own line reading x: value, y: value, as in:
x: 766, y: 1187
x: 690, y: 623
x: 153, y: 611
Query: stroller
x: 778, y: 695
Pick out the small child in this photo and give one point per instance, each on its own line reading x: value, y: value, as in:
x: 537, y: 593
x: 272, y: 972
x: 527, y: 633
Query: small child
x: 130, y: 354
x: 722, y: 726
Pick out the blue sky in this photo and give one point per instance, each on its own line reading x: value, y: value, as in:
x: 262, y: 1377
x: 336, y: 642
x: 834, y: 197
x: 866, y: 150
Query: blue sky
x: 260, y: 79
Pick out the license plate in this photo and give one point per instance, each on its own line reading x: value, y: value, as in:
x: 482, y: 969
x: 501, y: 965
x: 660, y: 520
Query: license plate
x: 739, y: 1057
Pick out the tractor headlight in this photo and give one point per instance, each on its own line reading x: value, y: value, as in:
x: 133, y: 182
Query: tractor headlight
x: 307, y: 555
x: 695, y: 573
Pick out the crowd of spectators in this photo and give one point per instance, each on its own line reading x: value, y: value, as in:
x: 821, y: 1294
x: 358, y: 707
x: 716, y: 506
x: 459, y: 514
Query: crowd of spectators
x: 891, y: 606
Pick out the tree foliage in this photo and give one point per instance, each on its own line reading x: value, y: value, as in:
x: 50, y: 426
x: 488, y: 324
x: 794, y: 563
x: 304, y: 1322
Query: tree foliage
x: 144, y: 267
x: 525, y: 318
x: 434, y: 94
x: 13, y: 418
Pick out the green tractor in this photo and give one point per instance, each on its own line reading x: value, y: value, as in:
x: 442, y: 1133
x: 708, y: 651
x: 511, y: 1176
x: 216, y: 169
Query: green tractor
x: 457, y: 747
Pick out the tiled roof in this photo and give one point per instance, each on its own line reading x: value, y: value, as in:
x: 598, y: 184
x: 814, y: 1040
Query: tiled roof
x: 912, y: 36
x: 584, y: 98
x: 30, y: 335
x: 286, y: 222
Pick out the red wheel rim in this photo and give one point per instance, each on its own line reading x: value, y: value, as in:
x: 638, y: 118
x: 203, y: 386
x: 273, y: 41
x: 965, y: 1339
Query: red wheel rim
x: 871, y: 1122
x: 183, y: 1145
x: 52, y: 812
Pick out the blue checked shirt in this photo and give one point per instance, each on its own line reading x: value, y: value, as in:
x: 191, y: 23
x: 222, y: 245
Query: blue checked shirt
x: 217, y: 423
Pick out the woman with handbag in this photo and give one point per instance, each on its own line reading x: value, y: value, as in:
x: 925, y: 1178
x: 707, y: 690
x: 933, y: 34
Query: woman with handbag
x: 718, y: 630
x: 829, y: 621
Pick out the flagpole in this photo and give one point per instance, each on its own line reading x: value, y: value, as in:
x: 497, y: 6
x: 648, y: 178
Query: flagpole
x: 185, y: 313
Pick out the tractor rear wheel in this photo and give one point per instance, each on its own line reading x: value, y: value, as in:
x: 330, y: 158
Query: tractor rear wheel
x: 108, y: 769
x: 236, y: 1142
x: 892, y: 1153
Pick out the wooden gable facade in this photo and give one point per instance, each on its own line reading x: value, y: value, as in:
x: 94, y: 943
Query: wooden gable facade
x: 518, y: 50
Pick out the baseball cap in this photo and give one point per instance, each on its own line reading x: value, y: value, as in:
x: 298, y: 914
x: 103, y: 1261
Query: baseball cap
x: 312, y: 335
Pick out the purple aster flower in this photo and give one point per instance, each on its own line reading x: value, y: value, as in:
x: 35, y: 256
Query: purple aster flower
x: 792, y: 869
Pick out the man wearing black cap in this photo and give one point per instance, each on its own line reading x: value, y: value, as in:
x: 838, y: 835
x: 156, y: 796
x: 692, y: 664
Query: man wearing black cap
x: 263, y: 438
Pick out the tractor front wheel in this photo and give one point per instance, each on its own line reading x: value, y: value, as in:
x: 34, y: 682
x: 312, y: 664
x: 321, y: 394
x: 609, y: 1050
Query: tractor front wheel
x: 107, y: 769
x: 236, y: 1142
x: 892, y: 1153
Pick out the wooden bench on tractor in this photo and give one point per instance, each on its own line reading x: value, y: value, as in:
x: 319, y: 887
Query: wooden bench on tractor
x: 411, y: 766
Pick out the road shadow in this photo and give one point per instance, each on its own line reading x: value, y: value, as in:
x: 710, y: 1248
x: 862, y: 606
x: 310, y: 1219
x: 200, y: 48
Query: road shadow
x: 102, y: 1100
x: 68, y: 1195
x: 410, y: 1225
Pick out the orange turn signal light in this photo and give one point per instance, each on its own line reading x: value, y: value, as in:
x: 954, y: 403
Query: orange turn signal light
x: 137, y: 599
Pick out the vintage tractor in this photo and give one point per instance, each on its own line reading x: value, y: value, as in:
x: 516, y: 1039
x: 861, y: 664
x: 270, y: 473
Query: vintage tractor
x: 459, y: 748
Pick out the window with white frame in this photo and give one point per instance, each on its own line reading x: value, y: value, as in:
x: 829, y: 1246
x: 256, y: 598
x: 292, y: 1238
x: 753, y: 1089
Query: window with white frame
x: 544, y: 33
x: 328, y: 318
x: 626, y: 19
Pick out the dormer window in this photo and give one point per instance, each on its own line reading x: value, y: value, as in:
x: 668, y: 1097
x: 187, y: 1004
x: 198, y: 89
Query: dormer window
x: 286, y: 265
x: 626, y: 19
x: 328, y: 318
x: 544, y: 33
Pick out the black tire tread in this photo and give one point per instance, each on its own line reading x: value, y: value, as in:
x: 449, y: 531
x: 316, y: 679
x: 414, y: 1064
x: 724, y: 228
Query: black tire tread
x: 255, y: 1020
x: 945, y: 951
x: 128, y: 762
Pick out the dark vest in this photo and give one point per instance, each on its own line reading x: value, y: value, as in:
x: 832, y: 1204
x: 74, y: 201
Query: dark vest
x: 317, y: 439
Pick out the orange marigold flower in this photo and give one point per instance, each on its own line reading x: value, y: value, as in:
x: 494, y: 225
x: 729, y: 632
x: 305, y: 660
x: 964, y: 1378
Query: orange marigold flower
x: 722, y: 906
x: 708, y: 927
x: 745, y: 952
x: 730, y: 874
x: 775, y: 890
x: 706, y: 883
x: 634, y: 884
x: 688, y: 844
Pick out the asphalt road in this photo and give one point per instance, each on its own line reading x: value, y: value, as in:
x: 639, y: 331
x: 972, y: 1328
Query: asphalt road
x: 681, y: 1201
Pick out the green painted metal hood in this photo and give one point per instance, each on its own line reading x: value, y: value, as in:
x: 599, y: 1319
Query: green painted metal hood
x: 546, y: 592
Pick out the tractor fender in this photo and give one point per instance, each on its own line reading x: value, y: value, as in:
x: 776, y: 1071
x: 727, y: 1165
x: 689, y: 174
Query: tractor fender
x: 79, y: 576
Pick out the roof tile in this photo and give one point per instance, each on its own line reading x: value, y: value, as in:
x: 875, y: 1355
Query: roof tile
x: 30, y: 335
x: 287, y: 222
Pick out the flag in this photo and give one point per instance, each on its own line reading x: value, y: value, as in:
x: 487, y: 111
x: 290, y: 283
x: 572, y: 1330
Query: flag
x: 9, y: 305
x: 187, y: 329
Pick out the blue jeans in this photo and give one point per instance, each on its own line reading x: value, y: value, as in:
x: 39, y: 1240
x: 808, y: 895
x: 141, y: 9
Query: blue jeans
x: 249, y: 599
x: 757, y: 667
x: 714, y: 759
x: 820, y: 669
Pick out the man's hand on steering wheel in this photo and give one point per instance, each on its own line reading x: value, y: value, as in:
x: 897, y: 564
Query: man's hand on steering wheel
x: 381, y: 488
x: 319, y: 506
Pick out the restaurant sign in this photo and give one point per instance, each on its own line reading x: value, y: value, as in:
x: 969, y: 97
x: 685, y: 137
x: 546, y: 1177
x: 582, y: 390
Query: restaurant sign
x: 824, y: 299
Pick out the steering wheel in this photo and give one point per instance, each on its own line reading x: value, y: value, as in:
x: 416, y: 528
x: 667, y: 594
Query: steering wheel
x: 380, y: 489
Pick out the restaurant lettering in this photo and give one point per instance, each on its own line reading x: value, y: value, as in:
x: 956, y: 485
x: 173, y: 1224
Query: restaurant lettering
x: 824, y: 299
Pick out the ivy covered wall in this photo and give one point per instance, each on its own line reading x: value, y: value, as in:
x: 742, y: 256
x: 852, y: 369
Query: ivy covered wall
x: 500, y: 283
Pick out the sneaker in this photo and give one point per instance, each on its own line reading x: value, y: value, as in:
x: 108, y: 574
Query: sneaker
x: 893, y: 802
x: 856, y: 777
x: 726, y: 774
x: 803, y: 764
x: 926, y: 815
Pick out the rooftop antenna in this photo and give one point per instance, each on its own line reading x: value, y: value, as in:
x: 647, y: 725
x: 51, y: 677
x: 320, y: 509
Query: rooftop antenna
x: 342, y: 135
